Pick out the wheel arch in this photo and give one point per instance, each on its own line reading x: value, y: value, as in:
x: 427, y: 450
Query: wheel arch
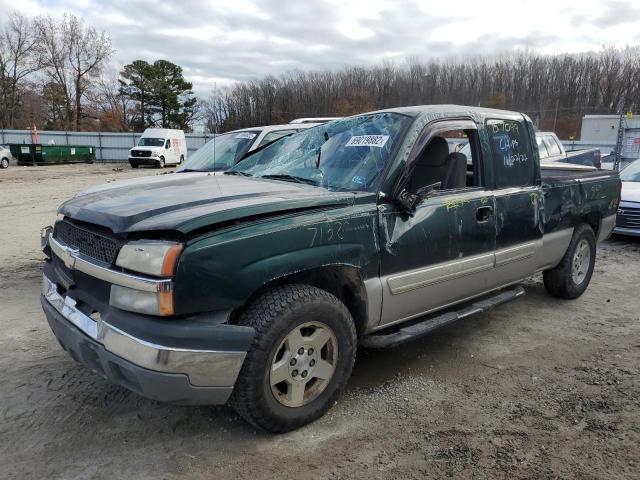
x: 343, y: 281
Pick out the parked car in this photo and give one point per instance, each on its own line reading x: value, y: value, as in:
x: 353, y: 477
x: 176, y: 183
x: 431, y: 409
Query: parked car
x: 225, y: 150
x: 551, y: 149
x: 159, y: 147
x: 257, y: 286
x: 5, y: 156
x: 628, y: 219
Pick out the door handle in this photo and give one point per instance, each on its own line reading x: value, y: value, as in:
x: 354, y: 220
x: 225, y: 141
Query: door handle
x: 483, y: 214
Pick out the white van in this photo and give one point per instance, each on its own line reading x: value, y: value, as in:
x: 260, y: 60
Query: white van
x: 159, y: 147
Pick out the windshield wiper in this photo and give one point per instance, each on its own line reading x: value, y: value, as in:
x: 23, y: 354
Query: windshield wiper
x: 236, y: 172
x: 188, y: 170
x: 290, y: 178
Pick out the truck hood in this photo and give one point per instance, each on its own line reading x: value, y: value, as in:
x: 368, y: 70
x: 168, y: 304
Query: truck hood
x: 188, y: 201
x: 630, y: 192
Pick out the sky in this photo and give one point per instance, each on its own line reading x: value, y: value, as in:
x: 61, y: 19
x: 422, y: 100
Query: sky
x: 221, y: 42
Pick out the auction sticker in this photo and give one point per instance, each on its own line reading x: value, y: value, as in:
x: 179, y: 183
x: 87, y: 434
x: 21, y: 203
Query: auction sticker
x: 367, y: 141
x: 247, y: 135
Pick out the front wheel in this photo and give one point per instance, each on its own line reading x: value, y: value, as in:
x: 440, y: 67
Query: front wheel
x: 161, y: 163
x: 571, y: 277
x: 300, y: 360
x: 4, y: 163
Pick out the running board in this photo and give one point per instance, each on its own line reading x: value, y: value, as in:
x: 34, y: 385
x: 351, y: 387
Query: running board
x: 420, y: 329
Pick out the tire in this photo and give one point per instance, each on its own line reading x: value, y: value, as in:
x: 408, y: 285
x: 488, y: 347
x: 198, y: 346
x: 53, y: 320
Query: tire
x: 276, y: 315
x: 181, y: 160
x: 161, y: 163
x: 571, y: 277
x: 134, y: 165
x: 4, y: 163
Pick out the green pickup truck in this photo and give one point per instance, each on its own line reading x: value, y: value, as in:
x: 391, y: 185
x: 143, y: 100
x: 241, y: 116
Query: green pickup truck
x: 257, y: 286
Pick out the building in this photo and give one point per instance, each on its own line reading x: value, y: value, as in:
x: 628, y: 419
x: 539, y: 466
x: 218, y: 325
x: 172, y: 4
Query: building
x: 599, y: 129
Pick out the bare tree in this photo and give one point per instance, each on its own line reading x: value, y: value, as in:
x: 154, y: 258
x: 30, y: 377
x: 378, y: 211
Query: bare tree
x: 73, y: 55
x: 17, y: 61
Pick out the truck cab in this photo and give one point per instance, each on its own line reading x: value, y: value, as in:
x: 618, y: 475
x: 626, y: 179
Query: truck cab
x: 159, y: 147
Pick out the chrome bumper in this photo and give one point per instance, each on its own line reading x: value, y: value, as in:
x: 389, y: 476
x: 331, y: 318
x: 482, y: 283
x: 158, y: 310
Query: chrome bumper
x: 204, y: 368
x: 633, y: 232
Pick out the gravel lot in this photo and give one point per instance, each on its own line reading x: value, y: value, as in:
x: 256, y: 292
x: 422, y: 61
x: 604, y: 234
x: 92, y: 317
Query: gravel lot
x: 539, y: 388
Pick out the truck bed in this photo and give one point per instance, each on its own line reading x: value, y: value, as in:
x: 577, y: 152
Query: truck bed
x: 572, y: 192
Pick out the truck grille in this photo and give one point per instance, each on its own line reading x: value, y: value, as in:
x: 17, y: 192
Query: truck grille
x: 140, y: 153
x: 628, y: 217
x: 91, y: 244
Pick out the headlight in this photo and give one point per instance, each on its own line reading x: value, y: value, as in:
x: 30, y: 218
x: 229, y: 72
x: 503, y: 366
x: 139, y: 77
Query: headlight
x: 151, y: 303
x: 150, y: 257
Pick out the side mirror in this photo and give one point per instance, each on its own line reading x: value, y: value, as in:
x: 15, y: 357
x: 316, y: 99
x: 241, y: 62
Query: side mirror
x: 409, y: 201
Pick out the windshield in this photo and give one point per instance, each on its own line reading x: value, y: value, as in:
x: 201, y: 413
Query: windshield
x: 349, y: 154
x: 151, y: 142
x: 631, y: 173
x: 220, y: 153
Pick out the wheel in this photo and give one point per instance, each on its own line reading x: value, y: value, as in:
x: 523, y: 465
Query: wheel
x: 134, y: 165
x: 572, y: 275
x: 4, y: 163
x: 181, y: 160
x: 161, y: 163
x: 300, y: 360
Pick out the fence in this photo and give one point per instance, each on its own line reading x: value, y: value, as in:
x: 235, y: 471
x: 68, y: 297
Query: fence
x: 110, y: 147
x: 114, y: 147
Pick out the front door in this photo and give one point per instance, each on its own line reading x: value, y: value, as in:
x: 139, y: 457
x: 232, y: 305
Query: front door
x: 444, y: 253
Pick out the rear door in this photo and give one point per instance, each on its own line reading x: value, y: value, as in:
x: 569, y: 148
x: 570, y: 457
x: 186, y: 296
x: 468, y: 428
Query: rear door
x: 518, y: 202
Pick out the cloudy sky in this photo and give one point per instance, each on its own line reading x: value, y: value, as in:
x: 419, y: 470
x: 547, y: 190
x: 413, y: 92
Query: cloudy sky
x: 218, y: 42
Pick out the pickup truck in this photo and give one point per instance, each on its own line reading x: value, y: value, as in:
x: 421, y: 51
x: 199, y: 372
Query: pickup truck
x: 550, y: 149
x: 256, y: 287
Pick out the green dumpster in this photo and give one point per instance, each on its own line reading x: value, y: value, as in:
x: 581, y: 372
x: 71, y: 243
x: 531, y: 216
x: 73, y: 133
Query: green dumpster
x: 37, y: 154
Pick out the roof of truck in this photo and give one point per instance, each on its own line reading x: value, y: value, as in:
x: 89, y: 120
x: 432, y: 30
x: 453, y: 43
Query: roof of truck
x: 447, y: 109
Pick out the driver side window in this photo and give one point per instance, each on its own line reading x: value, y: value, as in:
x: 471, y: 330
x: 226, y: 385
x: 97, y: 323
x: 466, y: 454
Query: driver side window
x: 449, y: 161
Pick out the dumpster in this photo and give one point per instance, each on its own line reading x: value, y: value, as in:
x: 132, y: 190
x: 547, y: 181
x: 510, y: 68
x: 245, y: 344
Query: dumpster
x: 37, y: 154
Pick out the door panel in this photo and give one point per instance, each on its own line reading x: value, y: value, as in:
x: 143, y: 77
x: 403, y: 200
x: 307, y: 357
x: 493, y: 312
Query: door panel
x: 441, y: 255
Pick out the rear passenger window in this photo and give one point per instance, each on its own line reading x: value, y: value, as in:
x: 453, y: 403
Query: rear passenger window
x: 514, y: 165
x: 542, y: 149
x: 552, y: 146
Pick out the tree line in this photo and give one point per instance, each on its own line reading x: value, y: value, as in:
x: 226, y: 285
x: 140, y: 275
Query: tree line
x: 55, y: 73
x: 555, y: 91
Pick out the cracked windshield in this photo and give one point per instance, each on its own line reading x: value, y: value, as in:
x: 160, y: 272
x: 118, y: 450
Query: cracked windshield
x: 348, y: 154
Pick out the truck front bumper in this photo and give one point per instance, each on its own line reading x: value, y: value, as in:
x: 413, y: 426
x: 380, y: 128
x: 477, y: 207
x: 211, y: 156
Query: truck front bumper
x: 193, y: 376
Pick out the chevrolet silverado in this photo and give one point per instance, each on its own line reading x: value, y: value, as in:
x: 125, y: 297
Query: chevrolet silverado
x: 256, y: 287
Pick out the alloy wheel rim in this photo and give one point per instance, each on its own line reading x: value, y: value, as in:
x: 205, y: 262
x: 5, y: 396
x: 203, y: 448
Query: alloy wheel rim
x: 581, y: 262
x: 303, y: 364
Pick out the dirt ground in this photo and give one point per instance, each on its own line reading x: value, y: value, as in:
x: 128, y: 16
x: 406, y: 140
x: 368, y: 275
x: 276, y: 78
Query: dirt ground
x: 539, y: 388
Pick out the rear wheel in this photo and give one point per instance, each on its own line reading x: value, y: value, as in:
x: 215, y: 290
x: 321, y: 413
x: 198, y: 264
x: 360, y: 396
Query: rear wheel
x: 4, y: 162
x: 301, y: 358
x: 572, y: 275
x: 181, y: 159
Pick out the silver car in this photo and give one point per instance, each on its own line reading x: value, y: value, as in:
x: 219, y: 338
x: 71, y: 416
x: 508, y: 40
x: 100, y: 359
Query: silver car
x: 5, y: 155
x: 628, y: 219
